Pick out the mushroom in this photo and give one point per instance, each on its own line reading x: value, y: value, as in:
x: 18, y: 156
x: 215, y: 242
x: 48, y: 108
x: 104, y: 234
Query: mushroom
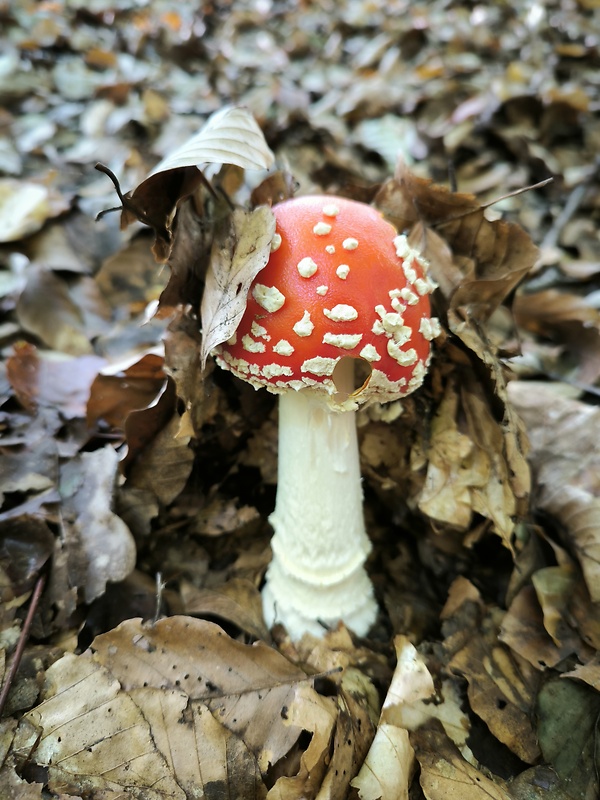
x: 340, y: 286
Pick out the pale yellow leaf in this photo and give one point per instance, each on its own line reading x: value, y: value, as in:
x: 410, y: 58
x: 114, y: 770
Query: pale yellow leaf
x: 25, y: 207
x: 386, y: 771
x: 445, y: 775
x: 230, y: 136
x: 241, y: 249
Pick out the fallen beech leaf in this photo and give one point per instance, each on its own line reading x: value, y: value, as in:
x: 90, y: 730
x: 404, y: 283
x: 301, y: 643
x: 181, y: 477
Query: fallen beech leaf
x: 166, y: 463
x: 493, y: 256
x: 238, y: 601
x: 174, y: 710
x: 46, y: 309
x: 230, y: 136
x: 501, y: 691
x: 54, y: 380
x: 99, y: 545
x: 567, y: 319
x: 122, y: 388
x: 25, y: 206
x: 523, y: 631
x: 564, y: 453
x: 445, y: 775
x: 240, y: 250
x: 386, y: 771
x: 588, y: 673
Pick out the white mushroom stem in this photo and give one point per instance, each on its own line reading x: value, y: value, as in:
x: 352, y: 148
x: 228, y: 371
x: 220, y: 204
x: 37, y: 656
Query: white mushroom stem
x: 317, y: 575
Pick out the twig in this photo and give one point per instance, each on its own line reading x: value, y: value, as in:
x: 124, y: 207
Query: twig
x: 35, y: 599
x: 574, y: 200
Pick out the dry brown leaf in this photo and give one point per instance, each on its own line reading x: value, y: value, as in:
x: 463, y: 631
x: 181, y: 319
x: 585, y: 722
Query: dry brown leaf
x: 247, y: 688
x: 493, y: 256
x: 238, y: 601
x: 568, y: 319
x: 240, y: 250
x: 122, y: 388
x: 474, y: 465
x: 52, y: 380
x: 588, y: 673
x: 173, y: 709
x: 47, y: 309
x: 99, y: 545
x: 446, y: 495
x: 523, y: 631
x: 445, y: 775
x: 563, y: 436
x: 166, y: 460
x: 387, y: 769
x: 502, y: 692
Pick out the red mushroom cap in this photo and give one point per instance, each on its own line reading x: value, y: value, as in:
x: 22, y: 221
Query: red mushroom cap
x: 340, y: 282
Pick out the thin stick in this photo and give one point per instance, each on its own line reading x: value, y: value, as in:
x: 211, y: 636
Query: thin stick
x: 35, y: 599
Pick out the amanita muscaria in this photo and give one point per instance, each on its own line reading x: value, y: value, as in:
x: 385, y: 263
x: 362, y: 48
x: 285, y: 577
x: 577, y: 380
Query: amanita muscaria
x: 340, y: 285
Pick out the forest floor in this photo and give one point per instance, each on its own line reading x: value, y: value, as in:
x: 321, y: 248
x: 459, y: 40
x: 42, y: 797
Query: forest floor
x: 136, y: 486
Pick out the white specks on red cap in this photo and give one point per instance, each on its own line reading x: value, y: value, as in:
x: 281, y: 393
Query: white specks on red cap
x: 274, y: 370
x: 410, y: 272
x: 258, y: 331
x: 430, y: 328
x: 252, y: 346
x: 417, y: 376
x: 422, y: 287
x: 307, y: 267
x: 404, y: 357
x: 283, y: 348
x: 345, y: 341
x: 370, y: 353
x: 322, y: 290
x: 268, y: 297
x: 403, y: 249
x: 341, y: 313
x: 305, y: 326
x: 320, y: 365
x: 331, y: 210
x: 343, y: 271
x: 350, y: 244
x: 398, y: 306
x: 392, y: 324
x: 330, y: 249
x: 409, y: 296
x: 275, y: 242
x: 322, y: 229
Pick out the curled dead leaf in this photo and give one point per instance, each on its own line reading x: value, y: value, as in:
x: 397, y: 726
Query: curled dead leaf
x: 241, y: 249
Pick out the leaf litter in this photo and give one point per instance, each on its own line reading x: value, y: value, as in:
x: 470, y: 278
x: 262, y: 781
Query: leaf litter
x: 121, y: 448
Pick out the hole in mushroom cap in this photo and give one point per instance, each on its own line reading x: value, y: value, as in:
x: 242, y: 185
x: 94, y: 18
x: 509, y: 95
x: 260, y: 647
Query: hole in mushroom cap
x: 350, y: 376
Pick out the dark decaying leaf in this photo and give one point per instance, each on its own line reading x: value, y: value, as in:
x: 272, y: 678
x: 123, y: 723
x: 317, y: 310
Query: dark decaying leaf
x: 492, y: 257
x: 478, y: 444
x: 230, y: 136
x: 568, y: 733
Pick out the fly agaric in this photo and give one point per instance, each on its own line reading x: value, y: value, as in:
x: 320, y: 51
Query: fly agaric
x: 340, y: 285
